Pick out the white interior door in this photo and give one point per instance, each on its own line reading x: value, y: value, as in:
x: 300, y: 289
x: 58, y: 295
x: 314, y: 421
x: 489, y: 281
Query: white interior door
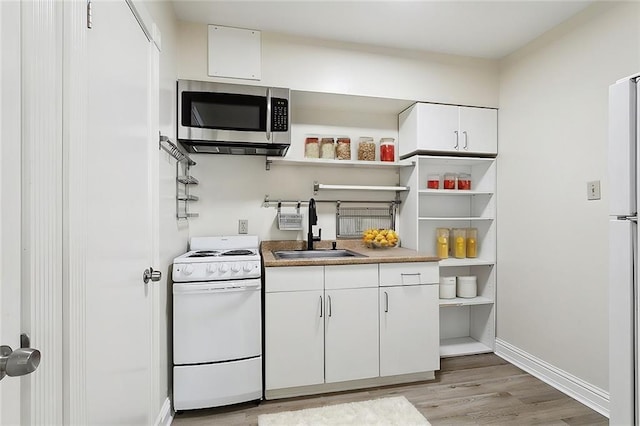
x: 10, y: 307
x: 119, y: 244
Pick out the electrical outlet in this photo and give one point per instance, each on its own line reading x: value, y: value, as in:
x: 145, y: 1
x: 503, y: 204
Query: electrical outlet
x: 593, y: 190
x: 243, y: 226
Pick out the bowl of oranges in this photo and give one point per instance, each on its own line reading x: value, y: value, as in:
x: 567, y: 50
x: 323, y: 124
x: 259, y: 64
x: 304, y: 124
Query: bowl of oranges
x: 380, y: 238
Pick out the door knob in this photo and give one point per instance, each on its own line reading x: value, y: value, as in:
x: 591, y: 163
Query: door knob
x: 150, y: 274
x: 19, y: 362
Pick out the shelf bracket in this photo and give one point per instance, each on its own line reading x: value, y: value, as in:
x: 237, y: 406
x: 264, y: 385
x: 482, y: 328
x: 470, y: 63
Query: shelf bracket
x: 267, y: 164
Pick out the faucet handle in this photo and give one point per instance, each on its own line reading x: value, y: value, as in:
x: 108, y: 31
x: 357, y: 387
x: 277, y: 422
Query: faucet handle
x: 319, y: 237
x: 333, y: 245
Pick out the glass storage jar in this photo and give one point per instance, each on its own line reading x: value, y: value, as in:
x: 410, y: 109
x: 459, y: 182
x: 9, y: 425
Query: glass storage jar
x: 387, y: 149
x: 459, y: 243
x: 472, y: 242
x: 366, y: 149
x: 343, y: 149
x: 449, y: 181
x: 442, y: 243
x: 327, y: 149
x: 464, y: 181
x: 433, y: 181
x: 311, y: 148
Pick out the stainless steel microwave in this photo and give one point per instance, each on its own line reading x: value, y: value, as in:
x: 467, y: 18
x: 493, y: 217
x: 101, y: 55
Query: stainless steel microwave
x: 222, y: 118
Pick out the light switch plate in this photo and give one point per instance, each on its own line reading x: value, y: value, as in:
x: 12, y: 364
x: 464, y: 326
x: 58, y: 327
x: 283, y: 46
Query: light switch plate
x: 593, y: 190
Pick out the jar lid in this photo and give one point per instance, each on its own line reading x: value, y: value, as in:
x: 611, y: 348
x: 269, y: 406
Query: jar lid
x: 366, y: 139
x: 387, y: 140
x: 344, y: 140
x: 327, y: 140
x: 311, y: 140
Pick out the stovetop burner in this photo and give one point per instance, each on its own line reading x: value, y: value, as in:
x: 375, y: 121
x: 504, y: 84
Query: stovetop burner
x: 237, y: 253
x: 204, y: 253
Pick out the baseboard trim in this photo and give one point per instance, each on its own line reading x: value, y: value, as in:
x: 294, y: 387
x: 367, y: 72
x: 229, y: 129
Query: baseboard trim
x: 164, y: 417
x: 591, y: 396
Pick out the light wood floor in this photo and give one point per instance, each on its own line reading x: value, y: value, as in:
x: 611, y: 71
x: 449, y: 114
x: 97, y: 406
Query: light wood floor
x: 476, y: 389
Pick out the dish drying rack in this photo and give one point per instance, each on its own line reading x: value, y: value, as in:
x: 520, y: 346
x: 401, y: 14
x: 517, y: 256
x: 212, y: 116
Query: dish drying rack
x: 351, y: 222
x: 289, y: 221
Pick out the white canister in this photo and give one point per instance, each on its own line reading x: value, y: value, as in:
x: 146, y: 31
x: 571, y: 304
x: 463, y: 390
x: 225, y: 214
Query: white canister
x: 467, y: 286
x: 447, y: 287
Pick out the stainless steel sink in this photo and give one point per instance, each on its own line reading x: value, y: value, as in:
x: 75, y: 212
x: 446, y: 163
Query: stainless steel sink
x: 315, y: 254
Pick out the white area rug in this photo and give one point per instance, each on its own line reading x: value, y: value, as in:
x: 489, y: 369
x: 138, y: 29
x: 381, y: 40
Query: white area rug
x: 384, y: 411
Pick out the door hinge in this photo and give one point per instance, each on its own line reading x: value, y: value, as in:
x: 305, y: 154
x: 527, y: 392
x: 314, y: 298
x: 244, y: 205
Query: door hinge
x: 89, y: 13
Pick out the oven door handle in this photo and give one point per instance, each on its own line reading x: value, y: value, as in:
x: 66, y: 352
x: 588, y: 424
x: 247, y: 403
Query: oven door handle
x: 209, y: 289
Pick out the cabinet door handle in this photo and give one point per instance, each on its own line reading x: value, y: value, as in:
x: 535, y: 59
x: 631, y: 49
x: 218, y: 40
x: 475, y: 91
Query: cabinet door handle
x: 329, y: 305
x: 466, y: 140
x: 386, y: 301
x: 457, y: 144
x: 321, y: 306
x: 411, y: 274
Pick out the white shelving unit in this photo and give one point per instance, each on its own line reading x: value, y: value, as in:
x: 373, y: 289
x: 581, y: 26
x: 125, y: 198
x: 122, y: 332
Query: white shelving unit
x: 283, y: 161
x: 467, y: 325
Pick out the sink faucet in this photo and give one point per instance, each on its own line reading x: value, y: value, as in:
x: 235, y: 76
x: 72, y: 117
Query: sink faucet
x: 313, y: 220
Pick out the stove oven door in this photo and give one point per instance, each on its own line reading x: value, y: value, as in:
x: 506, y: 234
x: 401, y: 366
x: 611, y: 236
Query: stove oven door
x: 216, y: 321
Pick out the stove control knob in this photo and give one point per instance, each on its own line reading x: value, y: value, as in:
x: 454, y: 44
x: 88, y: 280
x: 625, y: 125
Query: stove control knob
x: 187, y: 269
x: 247, y: 267
x: 223, y: 268
x: 211, y: 268
x: 235, y: 267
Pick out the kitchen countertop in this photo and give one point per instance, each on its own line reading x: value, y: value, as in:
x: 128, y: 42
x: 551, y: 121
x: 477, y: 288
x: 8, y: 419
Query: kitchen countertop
x: 386, y: 255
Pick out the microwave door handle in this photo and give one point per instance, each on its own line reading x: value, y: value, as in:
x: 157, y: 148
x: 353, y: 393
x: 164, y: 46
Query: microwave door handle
x: 268, y: 114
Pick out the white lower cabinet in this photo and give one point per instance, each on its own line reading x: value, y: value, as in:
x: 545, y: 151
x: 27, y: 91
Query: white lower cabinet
x: 328, y: 325
x: 351, y: 334
x: 294, y: 339
x: 409, y: 336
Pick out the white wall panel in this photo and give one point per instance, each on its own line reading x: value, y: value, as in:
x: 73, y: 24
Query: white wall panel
x: 355, y: 69
x: 552, y: 242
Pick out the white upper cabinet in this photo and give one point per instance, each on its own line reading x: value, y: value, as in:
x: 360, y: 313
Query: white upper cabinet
x: 449, y: 129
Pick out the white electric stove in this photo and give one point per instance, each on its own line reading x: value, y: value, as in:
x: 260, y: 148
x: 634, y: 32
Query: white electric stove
x: 217, y: 323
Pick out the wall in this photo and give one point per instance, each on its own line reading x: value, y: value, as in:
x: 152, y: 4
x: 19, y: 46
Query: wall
x: 233, y: 188
x: 173, y: 234
x: 552, y: 242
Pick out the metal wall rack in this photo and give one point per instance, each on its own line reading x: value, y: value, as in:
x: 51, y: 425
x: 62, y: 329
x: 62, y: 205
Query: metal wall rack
x: 184, y: 180
x: 351, y: 222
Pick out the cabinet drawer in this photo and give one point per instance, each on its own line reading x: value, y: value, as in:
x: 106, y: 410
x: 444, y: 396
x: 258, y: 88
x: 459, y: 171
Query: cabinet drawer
x: 411, y: 273
x: 294, y: 278
x: 338, y: 277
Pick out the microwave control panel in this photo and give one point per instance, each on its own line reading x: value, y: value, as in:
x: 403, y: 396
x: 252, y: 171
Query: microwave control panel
x: 279, y: 115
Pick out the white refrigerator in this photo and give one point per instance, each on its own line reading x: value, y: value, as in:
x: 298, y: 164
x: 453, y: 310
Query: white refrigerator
x: 623, y: 252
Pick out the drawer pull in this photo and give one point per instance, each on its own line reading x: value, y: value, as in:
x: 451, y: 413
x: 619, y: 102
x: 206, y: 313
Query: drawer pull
x: 412, y: 274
